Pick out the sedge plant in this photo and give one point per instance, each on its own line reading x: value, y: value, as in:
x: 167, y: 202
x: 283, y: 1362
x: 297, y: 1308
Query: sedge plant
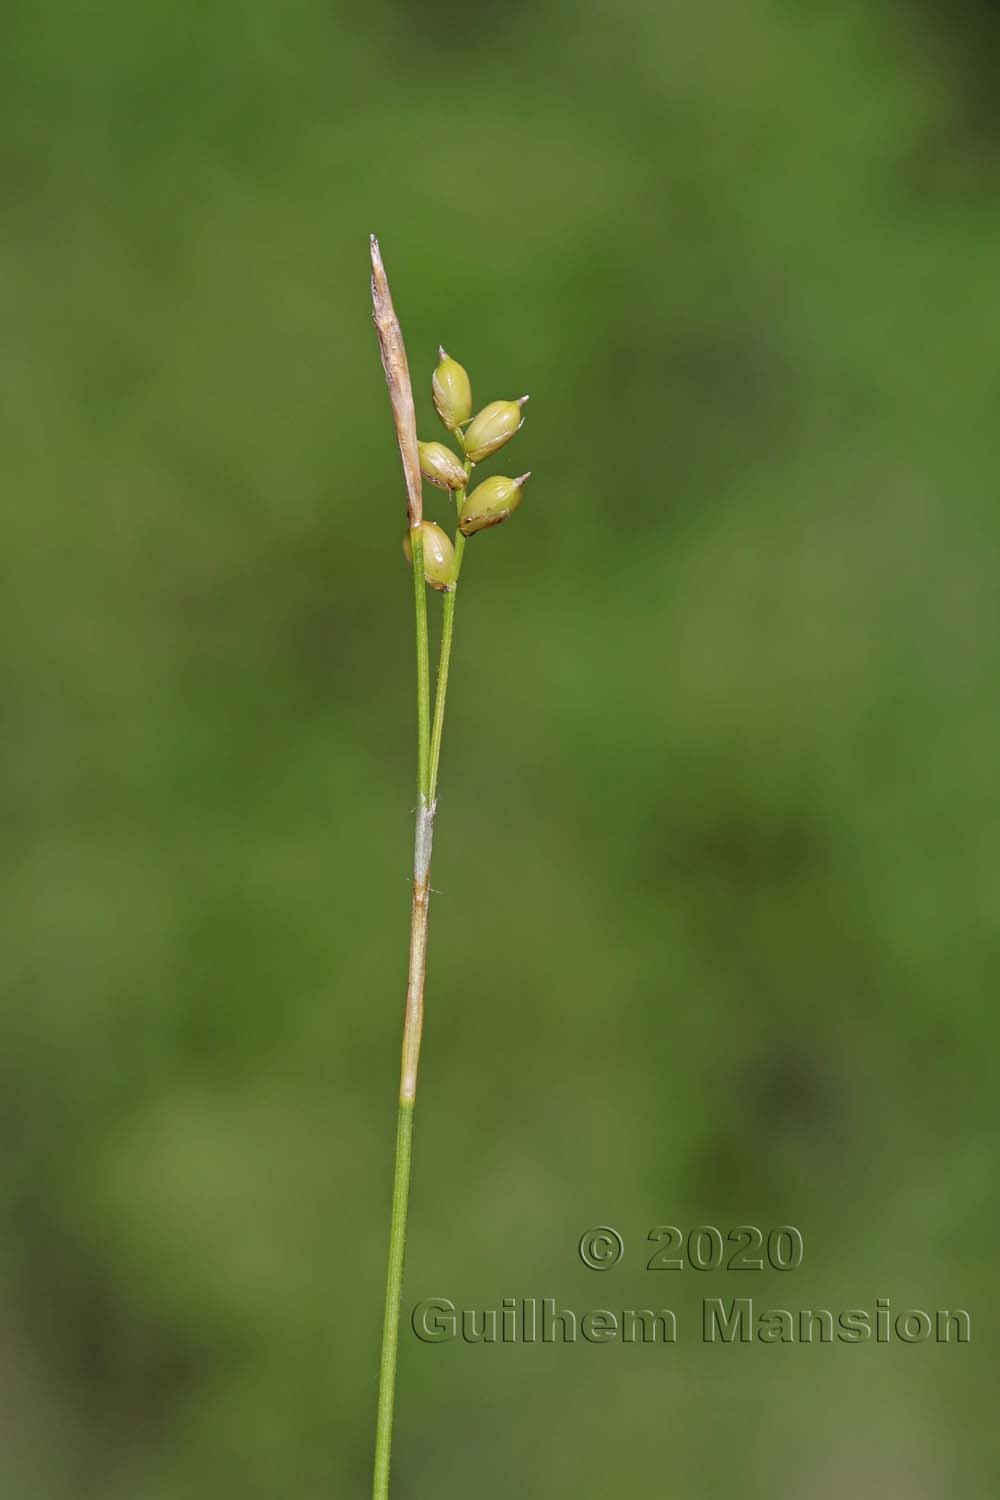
x: 436, y: 559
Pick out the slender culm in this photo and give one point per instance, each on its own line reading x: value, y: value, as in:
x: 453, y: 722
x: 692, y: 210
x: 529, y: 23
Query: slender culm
x: 436, y: 560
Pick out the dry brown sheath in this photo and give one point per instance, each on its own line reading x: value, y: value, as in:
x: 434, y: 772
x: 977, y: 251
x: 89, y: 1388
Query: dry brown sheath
x: 397, y: 378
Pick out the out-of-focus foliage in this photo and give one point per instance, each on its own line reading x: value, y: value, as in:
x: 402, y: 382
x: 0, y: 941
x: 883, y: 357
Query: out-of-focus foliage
x: 718, y: 926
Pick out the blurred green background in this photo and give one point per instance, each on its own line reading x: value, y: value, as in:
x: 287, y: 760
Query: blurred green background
x: 717, y: 846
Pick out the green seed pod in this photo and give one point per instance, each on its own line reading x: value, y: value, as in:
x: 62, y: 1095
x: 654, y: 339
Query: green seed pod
x: 495, y: 425
x: 441, y: 467
x: 439, y: 556
x: 452, y: 391
x: 490, y: 503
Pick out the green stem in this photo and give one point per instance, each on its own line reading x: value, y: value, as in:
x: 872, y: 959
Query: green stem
x: 428, y: 763
x: 412, y: 1030
x: 423, y: 663
x: 447, y: 635
x: 393, y: 1298
x: 444, y: 666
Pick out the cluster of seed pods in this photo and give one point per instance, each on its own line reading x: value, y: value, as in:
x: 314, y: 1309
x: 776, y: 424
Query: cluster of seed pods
x: 478, y: 437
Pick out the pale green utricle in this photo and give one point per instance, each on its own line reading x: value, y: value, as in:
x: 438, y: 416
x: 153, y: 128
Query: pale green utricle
x: 439, y: 466
x: 495, y: 425
x: 490, y: 503
x: 452, y: 391
x: 439, y: 555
